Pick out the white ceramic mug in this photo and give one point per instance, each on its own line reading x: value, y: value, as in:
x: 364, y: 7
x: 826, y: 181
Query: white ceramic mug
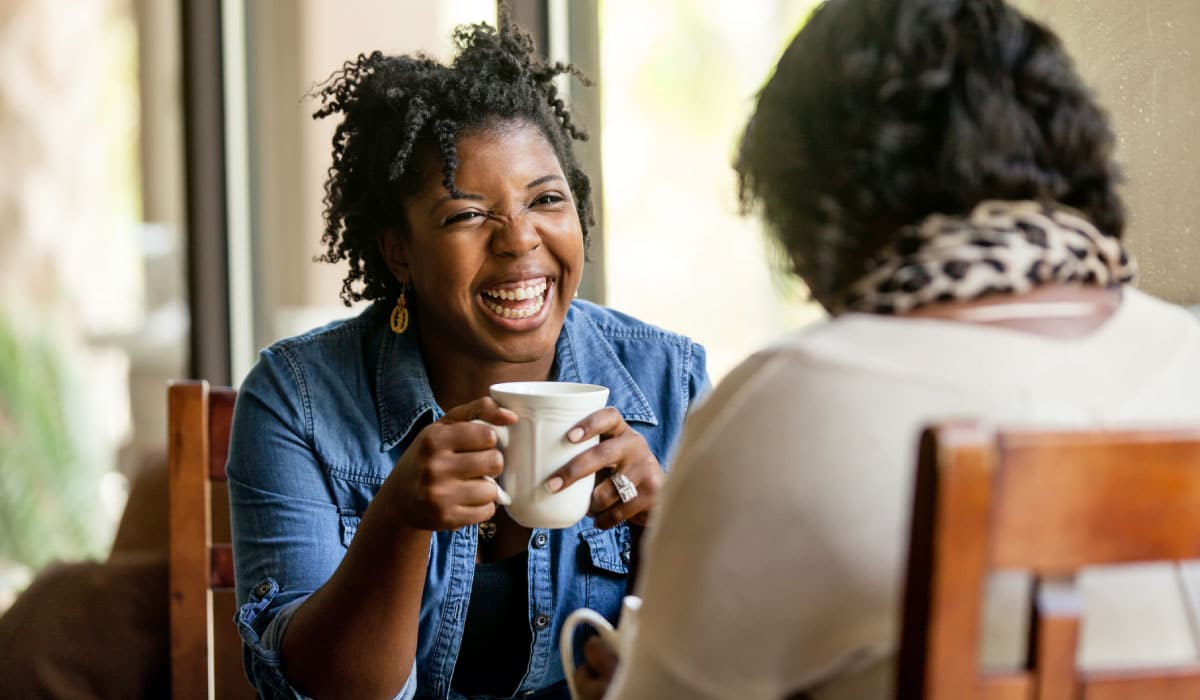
x: 536, y: 446
x: 618, y: 639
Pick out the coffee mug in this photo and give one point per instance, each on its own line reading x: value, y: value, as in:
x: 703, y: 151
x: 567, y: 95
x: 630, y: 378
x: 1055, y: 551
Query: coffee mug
x: 618, y: 639
x: 536, y: 446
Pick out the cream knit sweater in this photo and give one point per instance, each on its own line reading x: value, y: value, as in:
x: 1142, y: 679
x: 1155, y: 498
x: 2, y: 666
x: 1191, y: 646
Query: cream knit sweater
x: 775, y: 560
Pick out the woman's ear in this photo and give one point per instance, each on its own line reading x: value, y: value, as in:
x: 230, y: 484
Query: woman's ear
x: 394, y: 252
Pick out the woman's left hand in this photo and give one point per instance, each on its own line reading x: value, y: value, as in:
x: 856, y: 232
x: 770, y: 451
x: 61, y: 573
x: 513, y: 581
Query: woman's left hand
x: 621, y: 452
x: 595, y: 674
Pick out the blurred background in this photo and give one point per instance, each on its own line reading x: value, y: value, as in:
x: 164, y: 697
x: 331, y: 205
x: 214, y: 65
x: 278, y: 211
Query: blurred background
x: 161, y: 194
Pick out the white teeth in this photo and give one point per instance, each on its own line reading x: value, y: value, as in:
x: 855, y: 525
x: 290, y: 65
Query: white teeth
x: 518, y: 293
x: 534, y: 294
x: 506, y: 312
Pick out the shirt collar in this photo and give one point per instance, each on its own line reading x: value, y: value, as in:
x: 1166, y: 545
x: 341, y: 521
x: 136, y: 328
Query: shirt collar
x: 402, y: 391
x: 582, y: 354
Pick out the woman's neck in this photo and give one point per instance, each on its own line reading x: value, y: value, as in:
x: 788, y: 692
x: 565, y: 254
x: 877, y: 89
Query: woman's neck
x: 457, y: 378
x: 1053, y: 310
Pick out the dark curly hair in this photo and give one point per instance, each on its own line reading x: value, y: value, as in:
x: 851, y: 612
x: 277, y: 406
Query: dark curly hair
x: 881, y: 112
x: 397, y: 109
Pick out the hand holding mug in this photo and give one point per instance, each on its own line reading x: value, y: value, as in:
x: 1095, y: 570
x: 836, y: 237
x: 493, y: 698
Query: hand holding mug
x: 441, y: 482
x: 634, y: 476
x: 587, y: 682
x: 537, y: 445
x: 594, y: 676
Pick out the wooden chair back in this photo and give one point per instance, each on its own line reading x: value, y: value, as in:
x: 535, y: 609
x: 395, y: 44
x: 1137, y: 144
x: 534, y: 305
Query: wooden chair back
x: 206, y: 652
x: 1049, y: 503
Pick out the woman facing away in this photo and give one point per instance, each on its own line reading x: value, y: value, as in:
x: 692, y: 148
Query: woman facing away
x: 942, y: 181
x: 371, y: 560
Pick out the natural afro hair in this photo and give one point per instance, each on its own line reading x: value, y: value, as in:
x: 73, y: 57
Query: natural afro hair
x: 881, y: 112
x: 397, y: 108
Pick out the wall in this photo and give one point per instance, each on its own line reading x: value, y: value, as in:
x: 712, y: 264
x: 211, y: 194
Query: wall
x: 1140, y: 59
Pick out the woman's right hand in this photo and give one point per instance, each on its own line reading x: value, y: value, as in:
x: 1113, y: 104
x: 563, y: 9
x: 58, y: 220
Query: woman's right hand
x: 438, y: 484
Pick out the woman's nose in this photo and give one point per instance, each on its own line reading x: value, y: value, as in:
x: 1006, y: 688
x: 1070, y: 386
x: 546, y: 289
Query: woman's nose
x: 515, y: 236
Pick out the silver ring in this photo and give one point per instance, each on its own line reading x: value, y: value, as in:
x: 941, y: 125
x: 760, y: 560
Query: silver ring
x: 626, y: 491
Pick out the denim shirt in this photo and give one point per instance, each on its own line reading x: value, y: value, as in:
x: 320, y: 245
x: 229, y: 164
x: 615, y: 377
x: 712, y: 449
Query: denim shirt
x: 321, y: 420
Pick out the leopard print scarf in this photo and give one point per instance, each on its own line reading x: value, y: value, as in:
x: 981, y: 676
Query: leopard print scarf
x: 1001, y: 247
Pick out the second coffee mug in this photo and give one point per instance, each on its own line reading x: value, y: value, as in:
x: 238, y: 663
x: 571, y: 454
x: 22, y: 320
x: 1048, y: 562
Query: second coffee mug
x: 619, y: 639
x: 536, y: 446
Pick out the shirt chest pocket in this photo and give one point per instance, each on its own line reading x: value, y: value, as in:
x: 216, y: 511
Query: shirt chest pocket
x: 605, y: 557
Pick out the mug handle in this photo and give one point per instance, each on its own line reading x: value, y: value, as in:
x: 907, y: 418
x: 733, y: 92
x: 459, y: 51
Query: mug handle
x: 567, y: 636
x: 502, y: 496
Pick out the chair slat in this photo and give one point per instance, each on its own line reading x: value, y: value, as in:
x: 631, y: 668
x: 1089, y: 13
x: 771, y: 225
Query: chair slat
x: 205, y: 647
x: 1053, y: 503
x: 1006, y: 686
x: 220, y: 566
x: 1054, y: 635
x: 187, y: 493
x: 220, y: 527
x: 1176, y: 682
x: 938, y: 626
x: 1070, y: 499
x: 220, y: 409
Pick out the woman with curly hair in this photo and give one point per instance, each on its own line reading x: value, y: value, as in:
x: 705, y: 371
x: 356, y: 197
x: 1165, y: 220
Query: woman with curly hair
x: 943, y: 182
x: 371, y: 559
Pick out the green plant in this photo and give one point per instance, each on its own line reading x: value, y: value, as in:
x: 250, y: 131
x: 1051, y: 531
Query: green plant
x: 49, y: 469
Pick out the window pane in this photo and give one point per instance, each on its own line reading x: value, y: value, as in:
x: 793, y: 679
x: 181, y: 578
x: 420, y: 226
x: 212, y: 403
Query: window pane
x: 291, y: 47
x: 93, y: 319
x: 678, y: 82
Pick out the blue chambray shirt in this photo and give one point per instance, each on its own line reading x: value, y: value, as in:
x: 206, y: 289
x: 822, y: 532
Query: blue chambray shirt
x: 319, y: 423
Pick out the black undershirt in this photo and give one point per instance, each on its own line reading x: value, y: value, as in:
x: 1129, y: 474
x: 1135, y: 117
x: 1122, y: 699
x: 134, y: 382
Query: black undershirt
x: 496, y: 641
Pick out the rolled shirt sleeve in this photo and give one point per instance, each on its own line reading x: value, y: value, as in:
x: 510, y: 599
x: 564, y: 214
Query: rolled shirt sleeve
x: 289, y: 536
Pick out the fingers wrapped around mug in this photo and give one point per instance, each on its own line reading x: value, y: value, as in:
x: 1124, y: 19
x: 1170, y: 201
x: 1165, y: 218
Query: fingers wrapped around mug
x: 628, y: 474
x: 442, y: 481
x: 593, y: 677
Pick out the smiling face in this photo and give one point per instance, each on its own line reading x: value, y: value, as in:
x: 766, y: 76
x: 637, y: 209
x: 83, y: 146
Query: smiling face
x: 493, y: 271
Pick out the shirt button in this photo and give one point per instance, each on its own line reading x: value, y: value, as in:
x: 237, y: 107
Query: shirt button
x: 540, y: 540
x: 625, y: 556
x: 262, y: 589
x: 541, y: 622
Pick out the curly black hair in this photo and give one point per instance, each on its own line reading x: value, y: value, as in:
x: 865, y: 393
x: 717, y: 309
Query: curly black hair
x: 395, y: 109
x: 881, y: 112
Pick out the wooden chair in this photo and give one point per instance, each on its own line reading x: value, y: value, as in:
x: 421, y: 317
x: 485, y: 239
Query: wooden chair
x: 206, y: 660
x: 1049, y: 503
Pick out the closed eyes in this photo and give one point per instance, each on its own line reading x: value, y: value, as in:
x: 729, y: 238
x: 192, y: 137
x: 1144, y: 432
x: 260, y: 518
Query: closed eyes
x: 464, y: 216
x: 475, y: 216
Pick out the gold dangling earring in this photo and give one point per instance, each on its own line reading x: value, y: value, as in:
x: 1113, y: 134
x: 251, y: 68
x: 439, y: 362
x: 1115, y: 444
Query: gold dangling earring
x: 400, y: 314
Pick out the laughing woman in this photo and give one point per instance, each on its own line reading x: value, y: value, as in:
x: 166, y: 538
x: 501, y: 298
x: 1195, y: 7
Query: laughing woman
x: 355, y: 470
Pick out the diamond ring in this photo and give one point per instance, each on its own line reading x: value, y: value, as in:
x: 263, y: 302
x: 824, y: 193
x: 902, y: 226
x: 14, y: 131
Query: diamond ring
x: 626, y: 491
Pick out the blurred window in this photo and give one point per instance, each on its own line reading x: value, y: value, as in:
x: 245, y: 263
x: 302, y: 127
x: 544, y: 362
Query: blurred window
x: 290, y: 47
x: 92, y: 318
x: 678, y: 80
